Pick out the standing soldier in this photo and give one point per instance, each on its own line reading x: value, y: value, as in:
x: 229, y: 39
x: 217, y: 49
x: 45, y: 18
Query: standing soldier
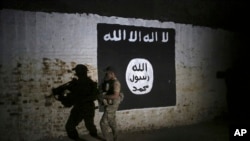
x: 112, y: 89
x: 83, y: 96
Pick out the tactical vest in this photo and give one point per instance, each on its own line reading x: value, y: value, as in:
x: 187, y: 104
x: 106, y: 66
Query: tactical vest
x: 110, y: 86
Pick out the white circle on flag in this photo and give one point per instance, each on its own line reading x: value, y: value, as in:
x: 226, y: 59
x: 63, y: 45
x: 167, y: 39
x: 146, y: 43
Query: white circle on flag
x: 139, y: 76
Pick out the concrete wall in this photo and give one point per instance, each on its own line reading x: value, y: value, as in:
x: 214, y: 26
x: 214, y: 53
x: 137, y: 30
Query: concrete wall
x: 37, y: 53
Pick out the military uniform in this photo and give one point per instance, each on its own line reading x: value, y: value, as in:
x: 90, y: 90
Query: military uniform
x: 108, y: 119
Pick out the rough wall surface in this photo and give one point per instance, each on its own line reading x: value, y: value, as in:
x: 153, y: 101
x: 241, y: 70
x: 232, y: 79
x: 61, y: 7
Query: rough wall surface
x: 39, y: 49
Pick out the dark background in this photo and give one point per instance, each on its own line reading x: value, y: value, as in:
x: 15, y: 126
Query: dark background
x: 226, y: 14
x: 231, y: 15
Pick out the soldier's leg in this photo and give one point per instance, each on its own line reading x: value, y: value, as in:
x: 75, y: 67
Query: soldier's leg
x: 104, y: 125
x: 89, y: 122
x: 73, y: 120
x: 112, y: 118
x: 113, y: 124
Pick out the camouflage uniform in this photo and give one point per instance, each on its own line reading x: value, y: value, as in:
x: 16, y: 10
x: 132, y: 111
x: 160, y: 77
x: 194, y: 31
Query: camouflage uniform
x: 108, y: 119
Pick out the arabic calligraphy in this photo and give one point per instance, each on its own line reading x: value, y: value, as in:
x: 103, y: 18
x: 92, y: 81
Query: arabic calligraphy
x: 136, y: 36
x: 144, y: 88
x: 139, y: 76
x: 140, y: 67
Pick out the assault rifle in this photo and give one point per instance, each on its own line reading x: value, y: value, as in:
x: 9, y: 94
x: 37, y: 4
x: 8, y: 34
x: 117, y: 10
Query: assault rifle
x: 63, y: 93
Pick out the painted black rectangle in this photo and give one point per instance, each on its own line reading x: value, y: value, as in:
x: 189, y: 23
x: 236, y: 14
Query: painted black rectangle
x: 144, y: 59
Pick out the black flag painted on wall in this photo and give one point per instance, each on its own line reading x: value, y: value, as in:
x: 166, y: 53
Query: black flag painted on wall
x: 144, y: 60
